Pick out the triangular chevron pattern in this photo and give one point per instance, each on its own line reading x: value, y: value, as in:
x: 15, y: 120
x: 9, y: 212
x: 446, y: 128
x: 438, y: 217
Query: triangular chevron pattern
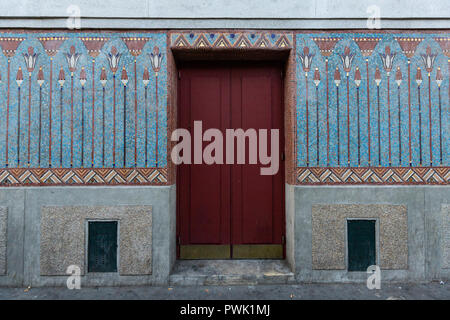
x: 400, y: 175
x: 232, y: 40
x: 83, y: 176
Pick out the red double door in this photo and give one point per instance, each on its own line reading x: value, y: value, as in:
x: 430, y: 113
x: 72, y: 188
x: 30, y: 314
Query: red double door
x: 230, y: 210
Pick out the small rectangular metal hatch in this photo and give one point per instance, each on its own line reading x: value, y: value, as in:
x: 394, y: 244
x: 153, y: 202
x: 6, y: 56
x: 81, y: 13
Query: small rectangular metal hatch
x: 102, y: 246
x: 361, y: 244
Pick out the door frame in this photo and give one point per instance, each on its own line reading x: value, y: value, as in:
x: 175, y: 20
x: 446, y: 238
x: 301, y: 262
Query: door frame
x: 177, y: 54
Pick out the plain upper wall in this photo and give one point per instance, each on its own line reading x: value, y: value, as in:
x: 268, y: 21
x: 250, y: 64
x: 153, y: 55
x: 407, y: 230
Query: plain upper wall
x: 275, y: 14
x: 272, y: 9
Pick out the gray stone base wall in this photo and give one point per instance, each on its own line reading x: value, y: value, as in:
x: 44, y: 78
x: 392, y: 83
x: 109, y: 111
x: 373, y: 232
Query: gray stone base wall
x: 46, y: 232
x: 36, y: 225
x: 412, y: 222
x: 12, y: 215
x: 446, y: 236
x: 3, y: 227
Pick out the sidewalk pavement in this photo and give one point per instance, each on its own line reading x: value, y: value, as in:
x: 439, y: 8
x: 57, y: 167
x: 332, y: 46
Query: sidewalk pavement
x: 398, y: 291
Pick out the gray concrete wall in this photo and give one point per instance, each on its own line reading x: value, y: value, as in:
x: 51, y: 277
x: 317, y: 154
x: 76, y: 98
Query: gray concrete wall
x: 270, y: 14
x: 290, y: 225
x: 425, y: 232
x: 14, y: 202
x: 425, y: 204
x: 231, y: 9
x: 426, y: 208
x: 435, y: 231
x: 24, y: 216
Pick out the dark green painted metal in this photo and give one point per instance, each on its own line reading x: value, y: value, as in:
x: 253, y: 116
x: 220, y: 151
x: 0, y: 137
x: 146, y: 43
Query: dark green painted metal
x: 102, y: 246
x: 361, y: 244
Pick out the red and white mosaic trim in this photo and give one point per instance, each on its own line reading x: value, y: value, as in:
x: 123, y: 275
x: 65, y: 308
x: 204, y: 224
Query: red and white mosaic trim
x: 398, y: 175
x: 85, y: 176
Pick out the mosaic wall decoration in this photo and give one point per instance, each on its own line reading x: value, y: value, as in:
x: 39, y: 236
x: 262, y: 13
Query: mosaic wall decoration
x: 83, y: 108
x: 373, y: 108
x: 231, y: 40
x: 92, y: 108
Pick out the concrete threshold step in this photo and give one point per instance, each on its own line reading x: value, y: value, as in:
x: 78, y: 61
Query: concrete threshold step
x: 230, y: 272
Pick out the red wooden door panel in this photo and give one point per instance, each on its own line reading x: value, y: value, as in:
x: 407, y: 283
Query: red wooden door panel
x: 230, y: 204
x: 257, y: 211
x: 204, y: 197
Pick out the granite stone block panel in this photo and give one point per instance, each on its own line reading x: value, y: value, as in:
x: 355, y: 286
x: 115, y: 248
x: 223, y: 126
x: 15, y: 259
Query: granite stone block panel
x: 3, y: 228
x: 328, y: 238
x: 64, y: 240
x: 329, y: 234
x: 445, y: 236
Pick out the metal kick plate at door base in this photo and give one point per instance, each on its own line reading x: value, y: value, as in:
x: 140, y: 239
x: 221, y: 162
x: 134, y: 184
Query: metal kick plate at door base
x: 241, y: 251
x: 201, y: 251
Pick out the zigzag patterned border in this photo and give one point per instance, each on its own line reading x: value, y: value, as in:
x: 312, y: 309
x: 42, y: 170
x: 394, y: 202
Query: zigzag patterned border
x: 228, y: 40
x: 158, y: 176
x: 385, y: 176
x: 82, y: 176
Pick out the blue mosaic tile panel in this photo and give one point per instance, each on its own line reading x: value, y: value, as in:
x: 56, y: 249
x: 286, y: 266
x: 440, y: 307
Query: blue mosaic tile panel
x: 401, y: 119
x: 82, y: 131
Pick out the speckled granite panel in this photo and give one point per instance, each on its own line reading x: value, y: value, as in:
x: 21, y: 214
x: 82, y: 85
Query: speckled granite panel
x: 329, y: 234
x: 63, y: 237
x: 328, y: 238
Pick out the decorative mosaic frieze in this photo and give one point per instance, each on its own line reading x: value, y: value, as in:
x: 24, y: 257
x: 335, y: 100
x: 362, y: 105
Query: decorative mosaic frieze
x: 373, y: 108
x: 74, y: 101
x: 97, y: 102
x: 82, y: 176
x: 380, y: 175
x: 232, y: 40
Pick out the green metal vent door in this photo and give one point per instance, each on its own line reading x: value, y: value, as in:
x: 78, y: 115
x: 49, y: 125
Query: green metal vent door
x: 361, y: 244
x: 102, y: 246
